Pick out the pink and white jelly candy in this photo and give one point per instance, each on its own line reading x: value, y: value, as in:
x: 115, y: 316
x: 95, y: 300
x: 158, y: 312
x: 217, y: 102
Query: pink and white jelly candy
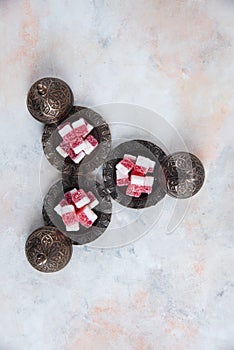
x: 78, y: 145
x: 90, y: 144
x: 122, y: 179
x: 148, y: 185
x: 79, y: 157
x: 70, y: 137
x: 149, y: 181
x: 133, y: 190
x: 58, y: 207
x: 80, y: 198
x: 89, y: 128
x: 63, y: 149
x: 73, y: 227
x: 68, y: 196
x: 64, y: 129
x: 80, y: 127
x: 151, y: 165
x: 76, y: 157
x: 137, y: 180
x: 130, y: 157
x: 146, y: 189
x: 69, y: 215
x: 125, y: 166
x: 142, y: 164
x: 86, y: 216
x: 72, y: 154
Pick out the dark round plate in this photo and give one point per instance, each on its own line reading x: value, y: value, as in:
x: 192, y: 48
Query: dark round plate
x: 135, y: 148
x: 51, y: 139
x: 103, y: 210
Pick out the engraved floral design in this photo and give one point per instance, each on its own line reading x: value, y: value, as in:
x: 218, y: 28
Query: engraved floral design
x: 49, y: 100
x: 183, y: 174
x: 48, y: 250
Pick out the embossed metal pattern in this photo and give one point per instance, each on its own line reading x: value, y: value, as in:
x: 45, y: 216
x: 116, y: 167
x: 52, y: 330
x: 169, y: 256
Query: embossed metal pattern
x: 101, y: 131
x: 49, y: 100
x: 103, y: 210
x: 134, y: 147
x: 48, y: 250
x: 183, y: 174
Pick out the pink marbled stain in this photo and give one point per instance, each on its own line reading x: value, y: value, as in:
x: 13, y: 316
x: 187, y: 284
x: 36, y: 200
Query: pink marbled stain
x: 199, y: 267
x: 29, y: 35
x: 107, y: 325
x: 184, y: 329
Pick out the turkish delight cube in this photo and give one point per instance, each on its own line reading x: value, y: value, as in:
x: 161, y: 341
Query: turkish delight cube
x: 149, y: 181
x: 64, y: 129
x: 89, y: 128
x: 147, y: 189
x: 68, y: 196
x: 90, y: 144
x: 133, y: 190
x: 121, y: 179
x: 79, y: 157
x: 76, y: 157
x: 80, y: 198
x: 130, y: 157
x: 78, y: 145
x: 69, y: 215
x: 58, y: 207
x: 80, y: 127
x: 73, y: 227
x: 137, y: 180
x: 122, y: 182
x: 148, y: 185
x: 72, y: 154
x: 70, y: 137
x: 125, y: 166
x: 93, y: 200
x: 142, y: 164
x: 151, y: 166
x: 61, y: 152
x: 63, y: 149
x: 86, y: 217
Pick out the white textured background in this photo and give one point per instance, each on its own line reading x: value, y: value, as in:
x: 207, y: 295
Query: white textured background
x: 163, y: 292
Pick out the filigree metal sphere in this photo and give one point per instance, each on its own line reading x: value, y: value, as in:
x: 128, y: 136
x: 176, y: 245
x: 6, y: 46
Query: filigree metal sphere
x: 49, y: 100
x: 48, y: 250
x: 183, y: 175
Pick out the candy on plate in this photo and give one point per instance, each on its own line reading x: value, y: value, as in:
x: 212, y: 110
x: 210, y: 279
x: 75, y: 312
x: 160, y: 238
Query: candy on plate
x: 80, y: 198
x: 86, y: 216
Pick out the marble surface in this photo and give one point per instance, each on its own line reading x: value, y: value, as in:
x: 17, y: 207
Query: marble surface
x: 164, y: 291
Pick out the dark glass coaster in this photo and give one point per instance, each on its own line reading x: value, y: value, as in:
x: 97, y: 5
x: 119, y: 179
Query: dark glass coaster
x: 48, y: 250
x: 135, y: 148
x: 103, y: 210
x: 51, y: 139
x: 182, y: 175
x: 49, y: 100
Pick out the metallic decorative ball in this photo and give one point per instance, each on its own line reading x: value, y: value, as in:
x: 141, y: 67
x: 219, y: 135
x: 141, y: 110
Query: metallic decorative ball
x: 49, y: 100
x: 182, y: 174
x: 48, y: 250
